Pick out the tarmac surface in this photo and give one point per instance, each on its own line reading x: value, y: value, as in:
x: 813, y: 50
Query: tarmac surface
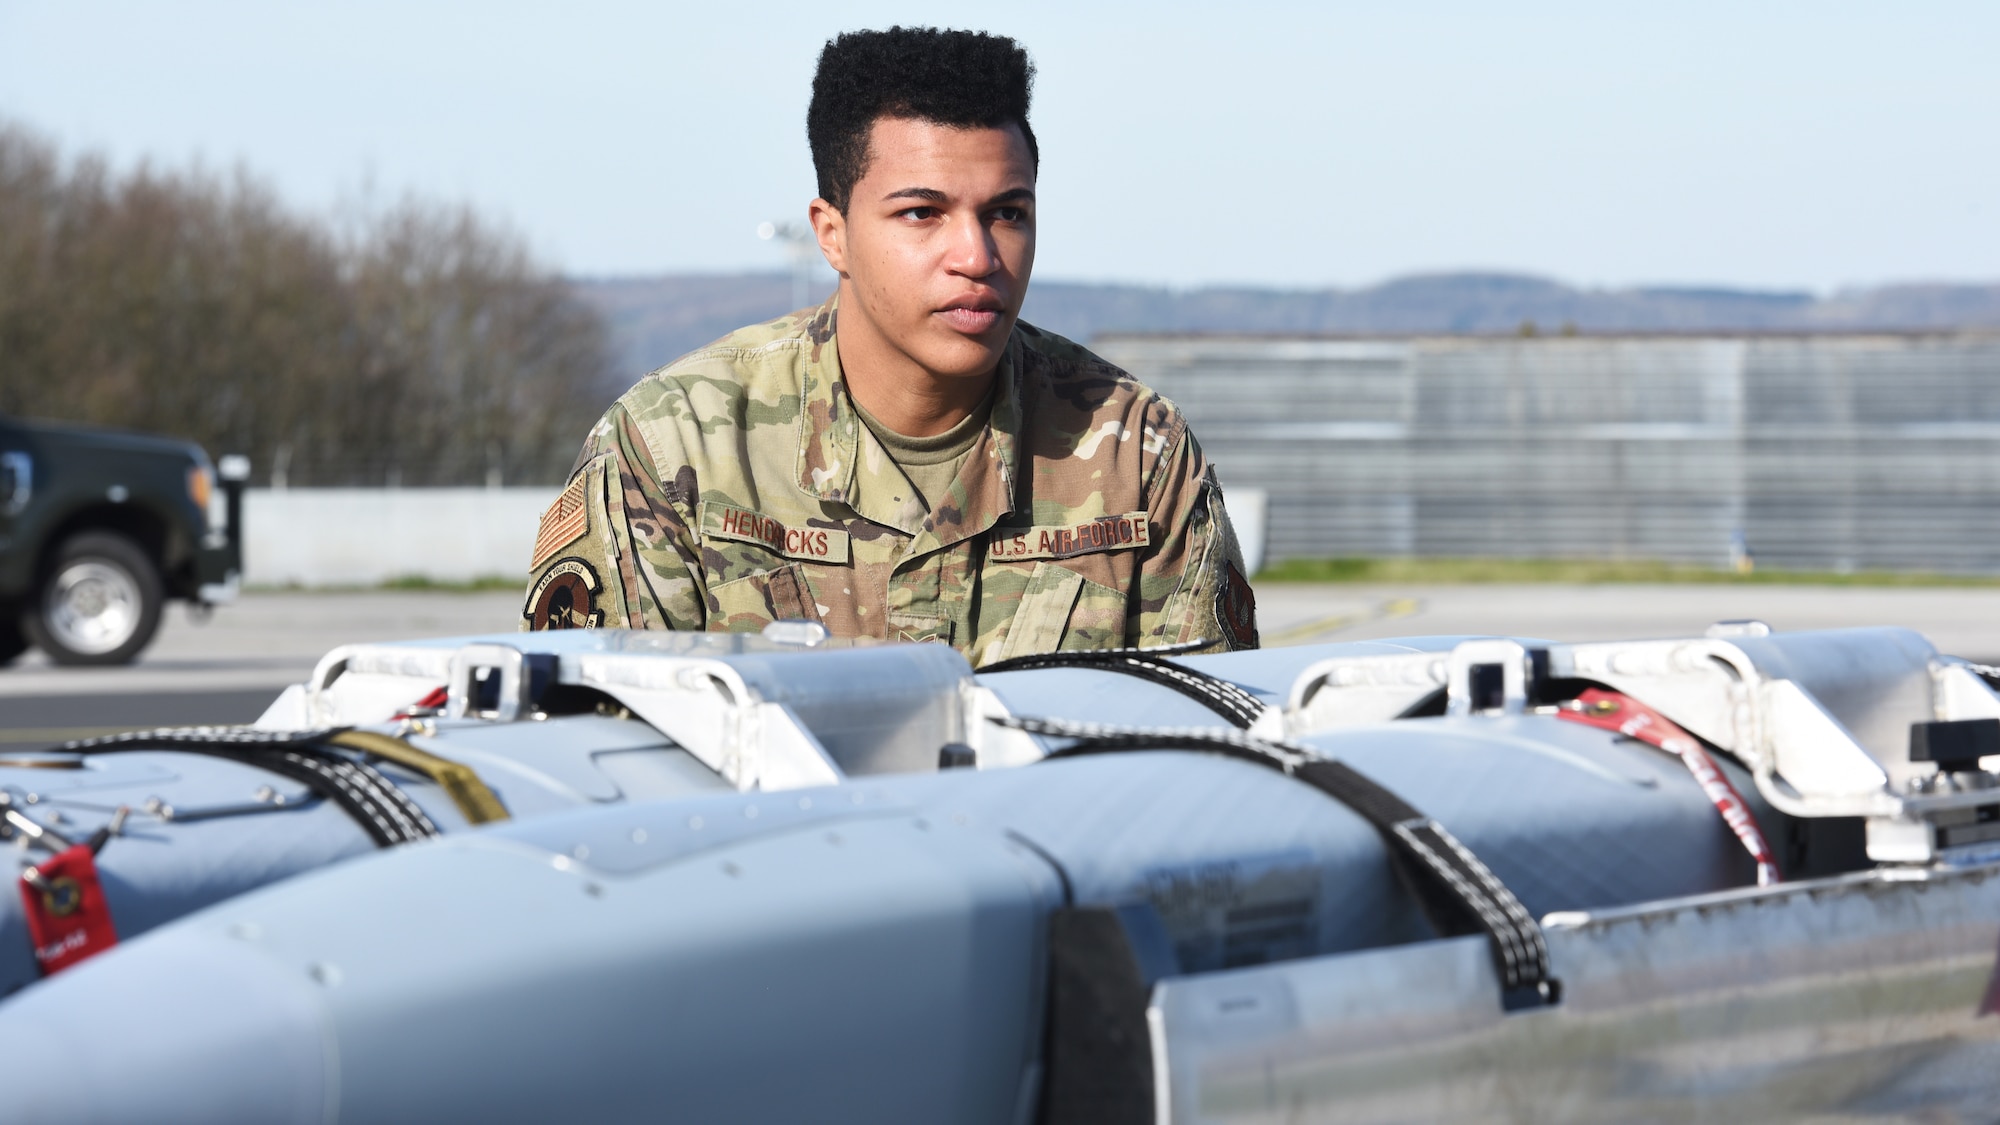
x: 228, y: 668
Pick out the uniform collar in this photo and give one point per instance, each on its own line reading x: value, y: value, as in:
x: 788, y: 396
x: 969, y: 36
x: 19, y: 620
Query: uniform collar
x: 830, y: 444
x: 829, y: 430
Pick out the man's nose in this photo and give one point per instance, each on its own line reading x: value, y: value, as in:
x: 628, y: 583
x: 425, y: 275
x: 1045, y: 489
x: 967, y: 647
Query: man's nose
x: 973, y: 251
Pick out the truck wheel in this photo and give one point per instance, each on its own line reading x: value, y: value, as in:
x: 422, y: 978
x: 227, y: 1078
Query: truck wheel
x: 101, y: 603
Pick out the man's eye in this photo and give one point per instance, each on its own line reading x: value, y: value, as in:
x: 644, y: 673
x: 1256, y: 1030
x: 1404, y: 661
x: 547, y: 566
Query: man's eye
x: 1011, y: 214
x: 918, y: 213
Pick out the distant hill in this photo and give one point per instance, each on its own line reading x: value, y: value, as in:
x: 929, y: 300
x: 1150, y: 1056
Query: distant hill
x: 655, y: 319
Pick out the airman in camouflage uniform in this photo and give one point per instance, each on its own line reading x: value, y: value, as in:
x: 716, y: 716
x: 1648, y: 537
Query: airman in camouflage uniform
x: 737, y: 486
x: 909, y: 461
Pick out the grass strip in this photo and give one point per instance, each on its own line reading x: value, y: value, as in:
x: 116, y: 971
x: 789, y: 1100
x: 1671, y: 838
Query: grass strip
x: 415, y: 583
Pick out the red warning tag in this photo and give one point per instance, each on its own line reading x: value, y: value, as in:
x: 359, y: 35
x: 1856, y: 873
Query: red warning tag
x: 68, y: 918
x: 1610, y: 710
x: 432, y: 702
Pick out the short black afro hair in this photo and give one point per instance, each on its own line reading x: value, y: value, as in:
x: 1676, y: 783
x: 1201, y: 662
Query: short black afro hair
x: 966, y: 79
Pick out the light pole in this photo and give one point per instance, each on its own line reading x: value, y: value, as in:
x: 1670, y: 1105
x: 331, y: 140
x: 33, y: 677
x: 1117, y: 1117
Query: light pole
x: 799, y: 246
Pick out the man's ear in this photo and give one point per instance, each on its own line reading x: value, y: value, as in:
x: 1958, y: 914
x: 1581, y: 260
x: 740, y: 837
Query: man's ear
x: 830, y: 228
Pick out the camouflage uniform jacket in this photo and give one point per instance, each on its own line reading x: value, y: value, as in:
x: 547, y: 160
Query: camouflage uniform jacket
x: 720, y: 493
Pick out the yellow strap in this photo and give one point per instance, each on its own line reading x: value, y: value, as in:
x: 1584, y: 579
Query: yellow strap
x: 476, y: 802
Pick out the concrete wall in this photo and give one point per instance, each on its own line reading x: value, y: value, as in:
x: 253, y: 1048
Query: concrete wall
x: 368, y: 536
x: 1821, y: 452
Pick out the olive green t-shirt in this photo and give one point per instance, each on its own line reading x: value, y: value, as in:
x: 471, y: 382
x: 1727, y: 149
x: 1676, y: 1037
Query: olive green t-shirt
x: 931, y: 463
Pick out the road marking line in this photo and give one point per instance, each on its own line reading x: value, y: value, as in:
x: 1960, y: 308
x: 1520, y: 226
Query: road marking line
x: 1336, y: 622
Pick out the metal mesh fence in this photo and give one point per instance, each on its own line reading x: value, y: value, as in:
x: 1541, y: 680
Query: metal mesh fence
x: 1817, y: 452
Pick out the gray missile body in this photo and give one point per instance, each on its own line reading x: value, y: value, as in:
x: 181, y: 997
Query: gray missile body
x: 869, y: 952
x: 1129, y: 934
x: 203, y: 829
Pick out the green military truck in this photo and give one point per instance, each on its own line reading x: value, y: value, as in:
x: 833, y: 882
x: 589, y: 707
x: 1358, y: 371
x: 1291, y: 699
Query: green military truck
x: 99, y: 529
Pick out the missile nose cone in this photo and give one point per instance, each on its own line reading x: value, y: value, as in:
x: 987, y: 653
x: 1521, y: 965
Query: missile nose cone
x: 189, y: 1025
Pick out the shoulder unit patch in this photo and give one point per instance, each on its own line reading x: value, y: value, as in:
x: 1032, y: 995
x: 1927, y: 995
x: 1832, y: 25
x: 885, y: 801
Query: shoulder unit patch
x: 564, y: 597
x: 1236, y: 608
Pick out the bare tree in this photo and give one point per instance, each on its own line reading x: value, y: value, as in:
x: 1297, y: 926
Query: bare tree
x: 421, y: 342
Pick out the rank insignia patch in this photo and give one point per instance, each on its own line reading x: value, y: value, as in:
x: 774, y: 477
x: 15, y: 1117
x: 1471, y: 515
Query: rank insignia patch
x: 1236, y: 608
x: 564, y: 523
x: 565, y: 597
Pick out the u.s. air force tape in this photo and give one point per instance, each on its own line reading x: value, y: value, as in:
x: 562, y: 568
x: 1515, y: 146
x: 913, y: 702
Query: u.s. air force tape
x: 818, y: 544
x: 1062, y: 541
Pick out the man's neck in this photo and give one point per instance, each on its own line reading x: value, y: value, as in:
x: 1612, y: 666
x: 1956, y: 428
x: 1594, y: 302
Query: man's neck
x: 896, y: 390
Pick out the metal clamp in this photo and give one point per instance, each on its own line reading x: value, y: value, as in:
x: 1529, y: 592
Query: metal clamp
x: 13, y: 820
x: 511, y: 697
x: 1473, y: 663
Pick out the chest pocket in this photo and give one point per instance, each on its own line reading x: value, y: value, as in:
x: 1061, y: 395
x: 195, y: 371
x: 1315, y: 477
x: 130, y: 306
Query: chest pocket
x: 747, y: 604
x: 745, y: 544
x: 1063, y: 610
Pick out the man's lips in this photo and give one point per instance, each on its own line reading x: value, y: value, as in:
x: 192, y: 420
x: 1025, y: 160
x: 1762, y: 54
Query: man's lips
x: 973, y: 317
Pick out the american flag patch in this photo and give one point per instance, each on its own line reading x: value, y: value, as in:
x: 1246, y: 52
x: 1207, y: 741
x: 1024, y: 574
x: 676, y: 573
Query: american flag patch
x: 565, y: 521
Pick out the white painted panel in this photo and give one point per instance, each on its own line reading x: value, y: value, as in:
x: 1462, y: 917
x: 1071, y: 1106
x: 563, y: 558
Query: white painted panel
x: 316, y: 537
x: 367, y: 536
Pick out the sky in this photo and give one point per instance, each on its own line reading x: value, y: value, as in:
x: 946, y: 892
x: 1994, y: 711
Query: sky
x: 1753, y: 143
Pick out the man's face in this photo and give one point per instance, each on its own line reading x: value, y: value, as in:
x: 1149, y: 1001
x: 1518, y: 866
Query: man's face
x: 935, y: 247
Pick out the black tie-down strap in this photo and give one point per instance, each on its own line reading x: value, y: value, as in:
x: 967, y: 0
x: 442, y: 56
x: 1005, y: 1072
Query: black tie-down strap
x: 1457, y: 892
x: 384, y: 811
x: 1229, y: 700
